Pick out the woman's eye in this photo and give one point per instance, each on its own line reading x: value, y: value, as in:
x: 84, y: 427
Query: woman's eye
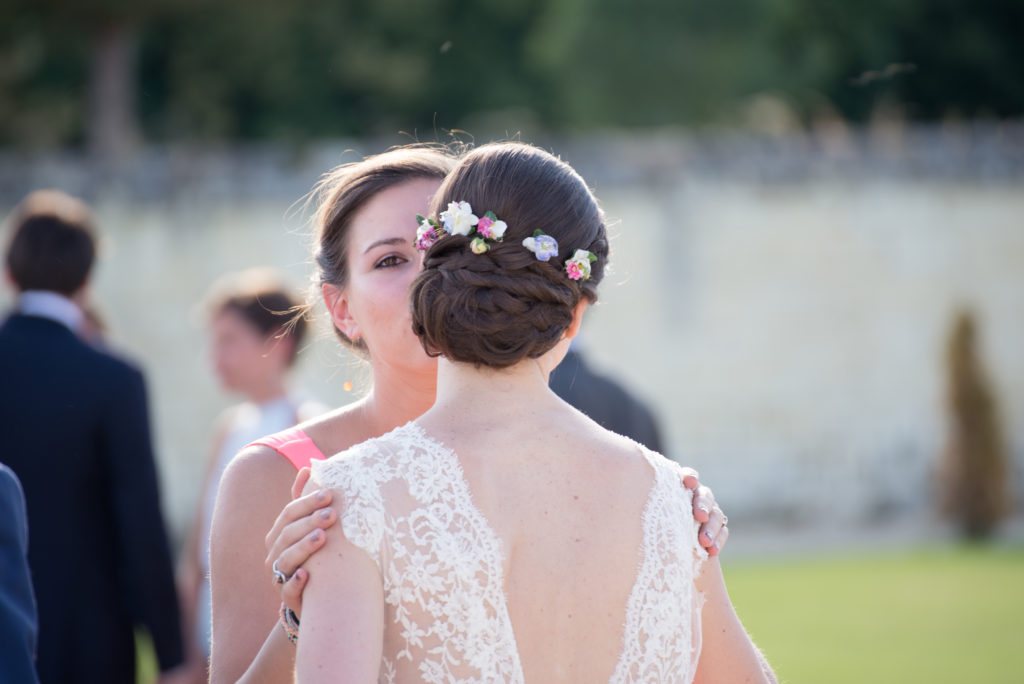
x: 389, y: 261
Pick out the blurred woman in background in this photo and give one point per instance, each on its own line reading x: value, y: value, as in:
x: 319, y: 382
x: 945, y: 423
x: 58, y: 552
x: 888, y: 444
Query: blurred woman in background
x: 254, y: 338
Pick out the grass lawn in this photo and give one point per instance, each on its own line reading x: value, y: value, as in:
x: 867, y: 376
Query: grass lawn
x: 927, y: 616
x: 934, y: 615
x: 146, y: 669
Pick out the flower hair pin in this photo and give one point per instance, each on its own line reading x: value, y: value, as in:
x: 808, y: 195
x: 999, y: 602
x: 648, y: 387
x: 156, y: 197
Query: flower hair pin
x: 427, y: 232
x: 542, y: 245
x: 577, y: 267
x: 459, y: 219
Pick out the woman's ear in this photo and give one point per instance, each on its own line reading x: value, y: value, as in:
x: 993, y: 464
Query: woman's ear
x: 337, y: 307
x: 577, y: 318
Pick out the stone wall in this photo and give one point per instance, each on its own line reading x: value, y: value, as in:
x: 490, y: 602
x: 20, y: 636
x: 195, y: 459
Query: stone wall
x: 783, y: 303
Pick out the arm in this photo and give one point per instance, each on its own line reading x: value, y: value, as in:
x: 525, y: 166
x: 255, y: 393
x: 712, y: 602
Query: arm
x: 18, y: 621
x: 143, y: 550
x: 254, y: 489
x: 343, y: 620
x: 296, y: 534
x: 727, y: 654
x: 189, y: 571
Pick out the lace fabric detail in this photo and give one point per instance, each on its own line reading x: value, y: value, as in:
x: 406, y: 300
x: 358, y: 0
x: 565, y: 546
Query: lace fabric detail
x: 409, y: 507
x: 661, y: 639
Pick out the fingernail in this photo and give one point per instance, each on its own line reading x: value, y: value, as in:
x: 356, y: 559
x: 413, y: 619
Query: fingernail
x: 708, y: 534
x: 703, y: 507
x: 325, y: 513
x: 321, y: 495
x: 315, y: 535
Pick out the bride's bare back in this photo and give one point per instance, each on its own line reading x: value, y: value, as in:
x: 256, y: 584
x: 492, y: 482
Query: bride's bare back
x: 521, y: 556
x: 568, y: 509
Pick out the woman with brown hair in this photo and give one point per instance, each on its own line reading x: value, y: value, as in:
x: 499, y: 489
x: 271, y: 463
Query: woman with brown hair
x: 503, y: 535
x: 365, y: 261
x: 254, y: 340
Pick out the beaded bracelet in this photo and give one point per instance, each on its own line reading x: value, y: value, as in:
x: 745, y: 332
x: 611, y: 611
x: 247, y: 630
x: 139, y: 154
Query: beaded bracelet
x: 290, y: 623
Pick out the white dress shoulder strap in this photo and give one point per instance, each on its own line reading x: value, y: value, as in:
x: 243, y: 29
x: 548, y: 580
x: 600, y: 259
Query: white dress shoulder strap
x: 407, y: 505
x: 662, y: 637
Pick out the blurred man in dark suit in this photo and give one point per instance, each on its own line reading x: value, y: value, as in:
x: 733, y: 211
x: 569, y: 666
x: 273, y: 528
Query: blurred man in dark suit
x: 75, y: 429
x: 18, y: 622
x: 605, y: 401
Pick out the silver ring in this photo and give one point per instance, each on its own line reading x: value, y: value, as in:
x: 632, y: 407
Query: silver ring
x: 725, y: 520
x: 279, y: 577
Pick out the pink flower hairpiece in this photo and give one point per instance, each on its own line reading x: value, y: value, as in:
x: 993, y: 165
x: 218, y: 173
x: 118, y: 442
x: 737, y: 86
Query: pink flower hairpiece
x: 459, y: 219
x: 426, y: 233
x: 577, y: 267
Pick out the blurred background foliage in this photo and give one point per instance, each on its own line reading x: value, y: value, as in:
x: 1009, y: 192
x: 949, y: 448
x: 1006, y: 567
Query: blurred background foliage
x: 116, y: 72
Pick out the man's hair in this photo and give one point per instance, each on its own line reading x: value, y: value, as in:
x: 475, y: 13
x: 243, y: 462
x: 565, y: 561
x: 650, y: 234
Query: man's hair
x: 52, y: 244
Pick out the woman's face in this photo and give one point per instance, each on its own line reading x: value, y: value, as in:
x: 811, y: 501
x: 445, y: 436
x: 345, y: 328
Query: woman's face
x: 242, y: 357
x: 382, y: 263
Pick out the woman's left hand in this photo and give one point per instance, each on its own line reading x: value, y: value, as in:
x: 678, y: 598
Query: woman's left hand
x: 296, y: 535
x: 713, y: 532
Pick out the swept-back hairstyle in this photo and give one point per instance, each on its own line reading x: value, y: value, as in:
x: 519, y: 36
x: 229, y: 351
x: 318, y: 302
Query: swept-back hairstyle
x: 500, y: 307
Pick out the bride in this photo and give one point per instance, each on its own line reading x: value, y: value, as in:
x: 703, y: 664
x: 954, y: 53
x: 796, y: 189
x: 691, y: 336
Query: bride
x: 503, y: 535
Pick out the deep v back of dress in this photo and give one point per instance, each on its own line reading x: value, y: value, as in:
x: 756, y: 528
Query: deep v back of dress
x: 409, y: 506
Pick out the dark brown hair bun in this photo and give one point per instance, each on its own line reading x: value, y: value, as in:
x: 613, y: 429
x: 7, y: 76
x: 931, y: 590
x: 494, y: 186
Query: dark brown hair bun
x: 500, y: 307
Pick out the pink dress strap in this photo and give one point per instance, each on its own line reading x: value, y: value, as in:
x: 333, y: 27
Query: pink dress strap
x: 293, y: 444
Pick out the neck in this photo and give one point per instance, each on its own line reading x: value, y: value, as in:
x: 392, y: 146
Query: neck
x: 51, y: 305
x: 397, y: 397
x: 272, y: 389
x: 521, y: 389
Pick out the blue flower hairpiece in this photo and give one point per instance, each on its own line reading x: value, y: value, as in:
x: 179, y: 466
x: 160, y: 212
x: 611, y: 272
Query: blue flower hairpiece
x: 459, y: 219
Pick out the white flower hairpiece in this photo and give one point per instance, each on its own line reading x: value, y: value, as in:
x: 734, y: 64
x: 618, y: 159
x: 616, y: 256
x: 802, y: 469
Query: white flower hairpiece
x: 578, y: 266
x: 459, y: 219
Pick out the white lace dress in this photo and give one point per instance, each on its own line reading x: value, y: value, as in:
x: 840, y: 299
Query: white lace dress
x: 408, y: 505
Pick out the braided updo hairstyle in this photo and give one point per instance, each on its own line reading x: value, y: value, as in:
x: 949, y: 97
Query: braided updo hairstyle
x: 500, y: 307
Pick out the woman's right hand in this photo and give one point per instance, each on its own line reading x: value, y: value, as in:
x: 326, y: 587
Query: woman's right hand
x: 297, y: 533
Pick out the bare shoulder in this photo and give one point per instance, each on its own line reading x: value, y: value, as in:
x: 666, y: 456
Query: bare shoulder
x: 326, y: 420
x: 620, y: 451
x: 602, y: 456
x: 255, y: 487
x: 337, y: 430
x: 370, y: 458
x: 256, y: 475
x: 631, y: 454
